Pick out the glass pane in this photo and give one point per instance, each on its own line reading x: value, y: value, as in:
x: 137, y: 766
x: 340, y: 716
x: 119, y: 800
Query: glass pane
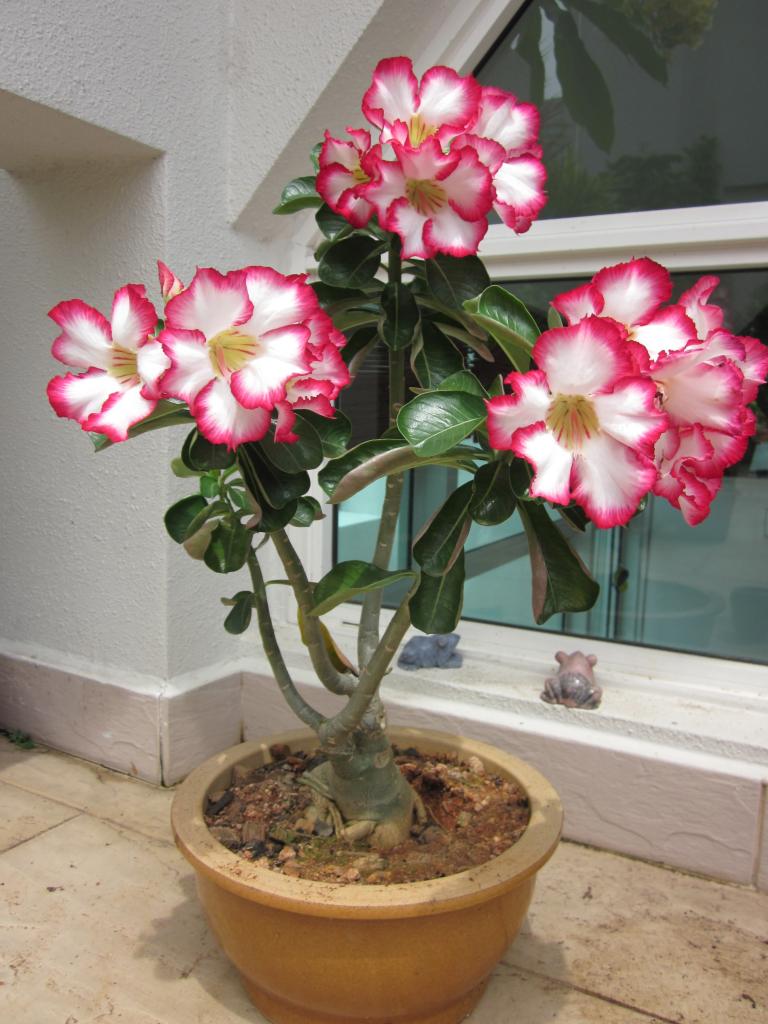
x: 646, y: 104
x: 701, y: 589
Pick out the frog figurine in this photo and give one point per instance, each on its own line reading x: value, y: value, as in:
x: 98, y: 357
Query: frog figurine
x: 435, y: 651
x: 573, y: 685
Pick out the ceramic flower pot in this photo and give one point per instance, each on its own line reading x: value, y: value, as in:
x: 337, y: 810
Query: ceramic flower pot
x: 318, y: 953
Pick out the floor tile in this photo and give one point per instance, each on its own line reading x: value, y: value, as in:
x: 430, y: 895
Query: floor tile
x: 88, y: 787
x: 683, y: 948
x: 23, y: 815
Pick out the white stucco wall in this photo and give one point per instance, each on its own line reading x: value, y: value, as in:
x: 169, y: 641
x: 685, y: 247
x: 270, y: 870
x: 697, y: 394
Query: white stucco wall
x: 130, y: 132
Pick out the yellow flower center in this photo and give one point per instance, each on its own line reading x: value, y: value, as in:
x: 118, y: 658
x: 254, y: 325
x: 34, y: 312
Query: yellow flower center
x: 572, y: 419
x: 123, y: 364
x: 230, y: 350
x: 359, y: 175
x: 425, y: 195
x: 418, y: 130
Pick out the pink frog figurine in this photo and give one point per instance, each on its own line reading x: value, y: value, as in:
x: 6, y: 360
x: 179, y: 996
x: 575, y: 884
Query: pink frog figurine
x: 573, y: 685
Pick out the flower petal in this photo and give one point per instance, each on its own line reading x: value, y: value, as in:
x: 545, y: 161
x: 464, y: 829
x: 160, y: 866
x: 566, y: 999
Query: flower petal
x: 633, y: 291
x: 583, y: 359
x: 151, y: 363
x: 133, y: 316
x: 609, y: 480
x: 170, y: 285
x: 222, y: 420
x: 286, y: 418
x: 119, y: 413
x: 447, y: 99
x: 667, y: 331
x: 77, y: 396
x: 696, y: 392
x: 212, y: 303
x: 447, y: 232
x: 86, y: 339
x: 520, y: 195
x: 629, y: 413
x: 508, y: 413
x: 583, y: 301
x: 393, y: 94
x: 409, y: 224
x: 277, y: 300
x: 388, y: 186
x: 468, y: 186
x: 261, y: 382
x: 191, y: 368
x: 552, y: 462
x: 706, y: 317
x: 502, y: 117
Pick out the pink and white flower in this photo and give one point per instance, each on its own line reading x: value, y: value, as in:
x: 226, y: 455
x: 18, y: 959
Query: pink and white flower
x: 688, y: 478
x: 584, y: 420
x: 235, y: 341
x: 435, y: 201
x: 170, y: 285
x: 123, y: 363
x: 443, y: 104
x: 344, y: 167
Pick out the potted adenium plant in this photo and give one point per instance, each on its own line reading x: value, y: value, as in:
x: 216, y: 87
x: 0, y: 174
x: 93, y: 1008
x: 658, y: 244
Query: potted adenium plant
x: 626, y: 394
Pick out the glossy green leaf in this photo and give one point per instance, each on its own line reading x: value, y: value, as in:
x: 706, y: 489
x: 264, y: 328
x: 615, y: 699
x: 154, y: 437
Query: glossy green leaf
x: 239, y: 618
x: 165, y: 414
x: 397, y: 460
x: 299, y: 194
x: 434, y: 357
x: 200, y: 454
x: 493, y: 500
x: 179, y: 469
x: 336, y: 469
x: 561, y: 582
x: 209, y: 486
x: 314, y: 155
x: 332, y: 224
x: 334, y: 433
x: 293, y: 457
x: 575, y: 517
x: 496, y: 387
x: 438, y: 420
x: 620, y: 29
x: 229, y: 547
x: 307, y: 512
x: 452, y: 281
x: 507, y: 321
x: 266, y: 483
x: 438, y: 545
x: 329, y: 295
x: 400, y: 316
x: 359, y: 344
x: 197, y: 543
x: 585, y: 92
x: 181, y: 514
x: 553, y: 318
x: 464, y: 380
x: 271, y: 519
x: 436, y: 605
x: 351, y: 262
x: 347, y: 579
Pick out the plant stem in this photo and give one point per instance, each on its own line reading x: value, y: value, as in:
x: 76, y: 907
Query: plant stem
x: 368, y: 632
x: 311, y: 626
x: 293, y: 698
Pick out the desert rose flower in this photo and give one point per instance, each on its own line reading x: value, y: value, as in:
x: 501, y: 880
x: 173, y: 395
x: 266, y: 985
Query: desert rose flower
x: 170, y: 285
x: 235, y: 341
x: 344, y: 167
x: 584, y: 420
x: 123, y: 363
x: 435, y: 201
x: 688, y: 477
x: 443, y: 104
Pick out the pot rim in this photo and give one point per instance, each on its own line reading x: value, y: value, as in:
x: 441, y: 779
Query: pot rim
x: 328, y: 899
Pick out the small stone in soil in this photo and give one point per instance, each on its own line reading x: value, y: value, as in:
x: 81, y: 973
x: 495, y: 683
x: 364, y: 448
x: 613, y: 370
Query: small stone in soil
x: 227, y: 836
x: 218, y: 801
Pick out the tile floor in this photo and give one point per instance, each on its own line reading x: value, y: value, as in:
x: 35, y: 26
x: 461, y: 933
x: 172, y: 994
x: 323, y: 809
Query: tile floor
x: 100, y: 923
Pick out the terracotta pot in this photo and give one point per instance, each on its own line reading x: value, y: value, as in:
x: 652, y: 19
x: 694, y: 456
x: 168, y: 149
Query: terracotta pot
x: 318, y: 953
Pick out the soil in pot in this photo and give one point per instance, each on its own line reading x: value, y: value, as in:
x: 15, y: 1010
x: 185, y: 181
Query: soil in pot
x: 266, y: 817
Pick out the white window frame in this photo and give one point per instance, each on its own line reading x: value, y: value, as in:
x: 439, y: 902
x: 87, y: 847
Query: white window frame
x: 694, y: 690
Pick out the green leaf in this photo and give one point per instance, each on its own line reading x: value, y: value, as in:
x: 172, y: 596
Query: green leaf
x: 179, y: 469
x: 209, y: 486
x: 359, y: 344
x: 307, y: 512
x: 493, y: 500
x: 201, y: 455
x: 434, y: 357
x: 351, y: 262
x: 553, y: 318
x: 328, y: 294
x: 434, y: 422
x: 452, y: 281
x: 272, y: 519
x: 575, y: 517
x: 331, y: 224
x: 436, y: 605
x: 585, y: 92
x: 561, y: 582
x: 314, y: 155
x: 465, y: 381
x: 267, y: 484
x: 400, y: 316
x: 180, y: 515
x: 306, y: 453
x: 507, y: 321
x: 529, y: 48
x: 347, y: 579
x: 197, y: 542
x: 229, y: 547
x: 165, y: 414
x: 398, y: 460
x: 239, y: 618
x: 496, y: 387
x: 336, y: 469
x: 438, y: 545
x: 334, y: 433
x: 620, y: 30
x: 298, y: 194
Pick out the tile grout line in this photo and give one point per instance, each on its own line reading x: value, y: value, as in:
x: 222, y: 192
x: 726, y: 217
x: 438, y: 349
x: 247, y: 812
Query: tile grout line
x: 650, y: 1014
x: 45, y: 831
